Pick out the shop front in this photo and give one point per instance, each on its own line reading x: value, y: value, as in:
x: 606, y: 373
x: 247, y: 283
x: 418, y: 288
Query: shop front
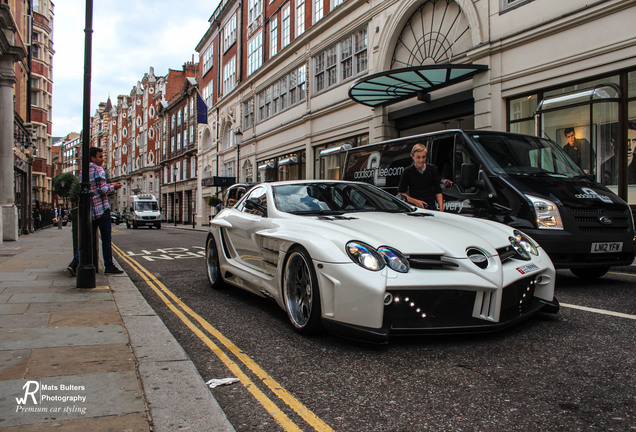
x: 593, y: 120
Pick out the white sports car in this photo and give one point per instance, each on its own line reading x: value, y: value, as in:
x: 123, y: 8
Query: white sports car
x: 364, y: 264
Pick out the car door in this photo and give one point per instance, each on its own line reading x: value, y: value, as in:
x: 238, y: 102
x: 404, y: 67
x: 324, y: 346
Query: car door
x: 242, y: 237
x: 449, y: 153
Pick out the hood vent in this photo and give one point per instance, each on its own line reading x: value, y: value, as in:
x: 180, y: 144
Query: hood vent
x: 478, y: 257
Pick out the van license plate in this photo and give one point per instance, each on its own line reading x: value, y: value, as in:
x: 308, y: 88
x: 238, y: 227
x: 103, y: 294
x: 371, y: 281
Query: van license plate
x: 607, y: 247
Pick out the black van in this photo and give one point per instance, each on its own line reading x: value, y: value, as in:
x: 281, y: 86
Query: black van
x: 523, y: 181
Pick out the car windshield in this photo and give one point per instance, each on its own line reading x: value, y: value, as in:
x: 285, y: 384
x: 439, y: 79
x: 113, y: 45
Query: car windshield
x: 147, y: 206
x: 526, y: 155
x: 326, y: 198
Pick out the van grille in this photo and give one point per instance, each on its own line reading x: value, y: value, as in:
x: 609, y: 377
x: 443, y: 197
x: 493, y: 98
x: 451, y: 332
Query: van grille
x: 588, y: 220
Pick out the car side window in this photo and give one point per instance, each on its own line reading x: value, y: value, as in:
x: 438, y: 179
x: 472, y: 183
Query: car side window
x: 259, y: 196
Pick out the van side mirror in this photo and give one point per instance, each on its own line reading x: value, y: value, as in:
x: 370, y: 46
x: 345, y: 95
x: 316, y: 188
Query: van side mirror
x: 468, y: 175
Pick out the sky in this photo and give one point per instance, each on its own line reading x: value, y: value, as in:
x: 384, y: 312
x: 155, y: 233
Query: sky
x: 129, y: 37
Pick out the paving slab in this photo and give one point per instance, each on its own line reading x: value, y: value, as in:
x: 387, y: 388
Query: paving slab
x: 136, y: 422
x: 69, y: 397
x: 24, y: 320
x: 60, y: 361
x: 87, y: 319
x: 13, y: 364
x: 11, y: 339
x: 60, y: 297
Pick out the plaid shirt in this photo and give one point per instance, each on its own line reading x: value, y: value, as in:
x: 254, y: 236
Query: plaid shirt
x: 100, y: 190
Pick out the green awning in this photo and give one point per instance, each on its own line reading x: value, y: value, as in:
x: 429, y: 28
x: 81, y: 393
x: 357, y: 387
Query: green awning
x: 396, y: 85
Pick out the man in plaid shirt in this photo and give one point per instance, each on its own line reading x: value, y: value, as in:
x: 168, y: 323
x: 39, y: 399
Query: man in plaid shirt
x: 100, y: 211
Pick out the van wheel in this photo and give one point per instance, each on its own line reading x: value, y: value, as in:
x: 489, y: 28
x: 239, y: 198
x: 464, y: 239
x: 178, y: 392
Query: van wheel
x: 590, y: 272
x: 158, y: 226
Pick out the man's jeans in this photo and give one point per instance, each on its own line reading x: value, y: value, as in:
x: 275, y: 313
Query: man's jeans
x: 104, y: 225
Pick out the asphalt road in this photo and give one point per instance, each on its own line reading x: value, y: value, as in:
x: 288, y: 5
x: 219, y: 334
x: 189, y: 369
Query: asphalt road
x: 571, y: 372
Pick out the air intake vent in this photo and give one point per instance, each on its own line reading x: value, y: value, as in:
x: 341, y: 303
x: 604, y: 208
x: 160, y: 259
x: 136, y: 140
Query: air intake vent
x: 478, y: 257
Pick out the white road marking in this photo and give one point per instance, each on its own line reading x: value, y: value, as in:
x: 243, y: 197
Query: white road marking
x: 599, y: 311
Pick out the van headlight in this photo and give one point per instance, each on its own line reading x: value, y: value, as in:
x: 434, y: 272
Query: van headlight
x: 547, y: 213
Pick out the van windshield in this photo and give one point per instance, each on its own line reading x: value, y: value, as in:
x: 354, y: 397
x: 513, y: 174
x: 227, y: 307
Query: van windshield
x: 526, y: 155
x: 146, y: 206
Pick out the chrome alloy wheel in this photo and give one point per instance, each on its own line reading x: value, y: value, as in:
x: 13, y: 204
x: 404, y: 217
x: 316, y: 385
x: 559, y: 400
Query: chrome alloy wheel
x: 301, y: 292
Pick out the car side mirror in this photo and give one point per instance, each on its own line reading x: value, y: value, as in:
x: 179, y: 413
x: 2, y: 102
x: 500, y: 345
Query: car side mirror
x: 255, y: 204
x: 468, y: 175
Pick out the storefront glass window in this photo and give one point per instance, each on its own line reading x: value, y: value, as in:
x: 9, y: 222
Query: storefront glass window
x: 292, y: 166
x: 588, y: 133
x: 631, y: 144
x: 631, y: 85
x: 522, y: 114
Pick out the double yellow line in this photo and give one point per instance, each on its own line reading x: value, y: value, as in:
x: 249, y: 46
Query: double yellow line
x: 178, y: 308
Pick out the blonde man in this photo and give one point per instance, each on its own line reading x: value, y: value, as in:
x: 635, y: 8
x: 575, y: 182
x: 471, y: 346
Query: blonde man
x: 420, y: 182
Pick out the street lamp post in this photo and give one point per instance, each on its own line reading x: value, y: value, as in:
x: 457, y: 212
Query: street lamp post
x: 86, y: 269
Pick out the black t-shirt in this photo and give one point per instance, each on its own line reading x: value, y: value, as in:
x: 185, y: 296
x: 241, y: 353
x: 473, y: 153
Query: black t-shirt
x: 422, y: 186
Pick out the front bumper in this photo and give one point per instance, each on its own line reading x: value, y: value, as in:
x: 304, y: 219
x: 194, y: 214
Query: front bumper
x: 361, y: 304
x: 568, y: 250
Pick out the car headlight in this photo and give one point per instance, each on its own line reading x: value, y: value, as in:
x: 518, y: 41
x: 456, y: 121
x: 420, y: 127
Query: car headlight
x: 523, y: 245
x: 394, y: 259
x: 365, y: 256
x: 547, y: 212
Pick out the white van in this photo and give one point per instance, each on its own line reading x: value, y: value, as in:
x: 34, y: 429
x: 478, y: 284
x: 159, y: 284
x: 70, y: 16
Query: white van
x: 143, y: 210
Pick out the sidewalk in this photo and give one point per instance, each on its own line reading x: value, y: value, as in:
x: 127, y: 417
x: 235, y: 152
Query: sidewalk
x: 89, y: 359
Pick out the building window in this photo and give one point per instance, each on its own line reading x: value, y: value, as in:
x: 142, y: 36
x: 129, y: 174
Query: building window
x: 229, y: 33
x: 207, y: 93
x: 352, y: 52
x: 179, y: 116
x: 300, y: 17
x: 273, y: 36
x: 286, y: 38
x: 208, y: 56
x: 191, y: 134
x: 179, y: 142
x: 255, y: 53
x: 255, y: 8
x: 229, y: 75
x: 228, y: 137
x: 336, y: 3
x: 248, y: 114
x: 283, y: 93
x: 318, y: 10
x: 228, y: 168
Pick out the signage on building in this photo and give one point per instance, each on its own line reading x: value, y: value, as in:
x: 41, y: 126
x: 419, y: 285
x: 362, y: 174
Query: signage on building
x: 218, y: 181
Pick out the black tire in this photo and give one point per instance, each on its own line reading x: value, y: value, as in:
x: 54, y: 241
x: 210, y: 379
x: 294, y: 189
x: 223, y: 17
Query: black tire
x: 590, y: 272
x: 212, y: 263
x: 158, y: 226
x: 301, y: 293
x: 127, y: 225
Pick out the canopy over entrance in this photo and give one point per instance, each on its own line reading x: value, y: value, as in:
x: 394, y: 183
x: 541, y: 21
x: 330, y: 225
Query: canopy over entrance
x: 396, y: 85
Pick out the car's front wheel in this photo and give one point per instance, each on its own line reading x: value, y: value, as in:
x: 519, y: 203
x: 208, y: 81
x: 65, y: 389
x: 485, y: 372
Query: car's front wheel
x: 212, y: 263
x: 301, y: 293
x: 590, y: 272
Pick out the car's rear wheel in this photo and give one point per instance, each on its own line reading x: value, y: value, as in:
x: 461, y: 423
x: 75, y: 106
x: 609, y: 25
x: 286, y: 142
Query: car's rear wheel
x: 212, y: 263
x: 590, y: 272
x: 301, y: 293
